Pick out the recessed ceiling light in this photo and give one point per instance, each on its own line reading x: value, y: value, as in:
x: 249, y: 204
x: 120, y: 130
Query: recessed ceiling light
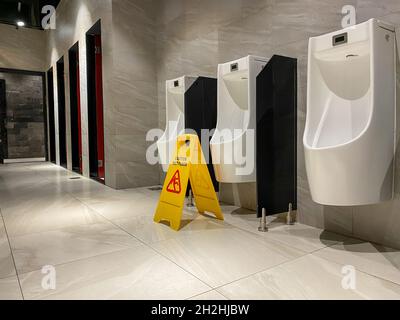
x: 20, y: 23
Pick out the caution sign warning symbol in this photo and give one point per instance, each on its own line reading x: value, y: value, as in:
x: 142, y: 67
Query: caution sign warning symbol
x: 174, y: 186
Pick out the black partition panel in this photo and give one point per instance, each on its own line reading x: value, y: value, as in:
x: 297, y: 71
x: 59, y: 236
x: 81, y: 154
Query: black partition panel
x: 62, y: 131
x: 276, y: 136
x: 201, y: 113
x: 52, y: 126
x: 74, y: 97
x: 95, y: 103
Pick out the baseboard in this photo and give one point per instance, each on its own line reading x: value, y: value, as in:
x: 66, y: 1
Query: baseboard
x: 26, y: 160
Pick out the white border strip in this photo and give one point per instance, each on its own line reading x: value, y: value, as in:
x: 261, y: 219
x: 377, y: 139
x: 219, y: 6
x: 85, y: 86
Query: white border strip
x: 8, y: 161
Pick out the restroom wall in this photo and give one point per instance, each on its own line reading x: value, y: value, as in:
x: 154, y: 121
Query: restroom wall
x: 21, y: 48
x: 194, y: 36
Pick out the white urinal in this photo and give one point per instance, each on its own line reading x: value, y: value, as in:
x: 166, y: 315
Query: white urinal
x: 349, y: 137
x: 175, y: 117
x: 236, y: 120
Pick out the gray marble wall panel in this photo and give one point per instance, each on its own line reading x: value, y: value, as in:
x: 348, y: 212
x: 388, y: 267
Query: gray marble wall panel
x: 22, y: 48
x: 135, y: 109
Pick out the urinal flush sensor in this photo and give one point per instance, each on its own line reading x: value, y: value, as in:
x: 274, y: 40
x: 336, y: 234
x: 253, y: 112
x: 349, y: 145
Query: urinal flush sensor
x: 351, y: 114
x: 234, y: 67
x: 340, y: 39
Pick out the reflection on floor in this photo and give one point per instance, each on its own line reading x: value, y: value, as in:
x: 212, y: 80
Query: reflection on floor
x: 103, y: 244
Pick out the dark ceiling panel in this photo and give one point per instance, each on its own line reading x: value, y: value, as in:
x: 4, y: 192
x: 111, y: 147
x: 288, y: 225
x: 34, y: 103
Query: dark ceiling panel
x: 29, y: 11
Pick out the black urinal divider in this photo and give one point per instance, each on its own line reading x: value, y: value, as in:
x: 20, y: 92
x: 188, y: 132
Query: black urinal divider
x: 276, y: 136
x: 201, y: 112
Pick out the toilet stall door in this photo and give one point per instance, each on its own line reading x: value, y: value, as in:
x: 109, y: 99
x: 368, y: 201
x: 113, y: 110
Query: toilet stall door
x: 61, y: 113
x: 99, y: 107
x: 52, y: 126
x: 76, y: 132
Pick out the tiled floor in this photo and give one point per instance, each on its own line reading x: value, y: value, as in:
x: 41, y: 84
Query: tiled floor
x: 103, y: 244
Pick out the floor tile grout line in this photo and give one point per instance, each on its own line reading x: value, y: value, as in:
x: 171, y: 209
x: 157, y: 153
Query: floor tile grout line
x: 375, y: 276
x: 107, y: 219
x: 7, y: 278
x: 82, y: 259
x: 198, y: 295
x: 260, y: 271
x: 144, y: 243
x: 361, y: 271
x: 180, y: 267
x: 358, y: 239
x: 159, y: 253
x: 12, y: 255
x: 57, y: 228
x: 291, y: 261
x: 358, y: 269
x: 273, y: 240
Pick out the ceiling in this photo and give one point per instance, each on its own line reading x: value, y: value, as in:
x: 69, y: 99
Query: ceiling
x: 30, y: 11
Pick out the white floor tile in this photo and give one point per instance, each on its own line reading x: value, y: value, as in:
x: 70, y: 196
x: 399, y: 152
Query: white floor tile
x: 367, y: 257
x: 114, y: 210
x: 58, y: 214
x: 303, y: 237
x: 246, y: 219
x: 107, y: 195
x: 34, y: 251
x: 9, y: 289
x: 145, y: 229
x: 7, y: 268
x: 299, y: 236
x: 309, y: 277
x: 221, y: 256
x: 138, y: 273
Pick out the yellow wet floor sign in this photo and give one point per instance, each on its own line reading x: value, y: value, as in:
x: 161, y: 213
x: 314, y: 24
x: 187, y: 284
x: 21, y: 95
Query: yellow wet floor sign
x: 188, y: 165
